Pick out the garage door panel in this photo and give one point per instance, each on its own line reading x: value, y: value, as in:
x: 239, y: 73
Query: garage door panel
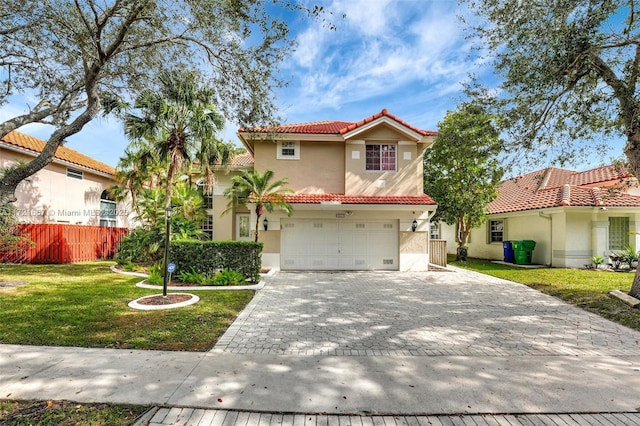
x: 326, y: 244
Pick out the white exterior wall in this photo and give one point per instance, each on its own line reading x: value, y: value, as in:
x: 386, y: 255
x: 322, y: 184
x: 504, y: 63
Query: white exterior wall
x: 577, y: 248
x: 408, y: 260
x: 565, y: 237
x: 50, y: 196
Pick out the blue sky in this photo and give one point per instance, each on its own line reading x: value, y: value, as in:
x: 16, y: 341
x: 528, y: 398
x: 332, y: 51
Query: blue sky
x: 408, y: 56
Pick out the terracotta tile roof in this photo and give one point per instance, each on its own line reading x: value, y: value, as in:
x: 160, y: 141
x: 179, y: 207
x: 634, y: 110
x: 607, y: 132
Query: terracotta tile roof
x: 385, y: 113
x: 359, y: 199
x: 242, y: 160
x: 336, y: 127
x: 600, y: 175
x: 554, y: 187
x: 63, y: 153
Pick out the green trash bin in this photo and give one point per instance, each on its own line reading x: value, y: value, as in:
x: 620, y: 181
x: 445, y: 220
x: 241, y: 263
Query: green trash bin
x: 523, y: 251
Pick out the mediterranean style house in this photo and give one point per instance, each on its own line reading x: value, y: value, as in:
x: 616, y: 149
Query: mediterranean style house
x: 358, y: 195
x: 572, y: 216
x: 73, y: 189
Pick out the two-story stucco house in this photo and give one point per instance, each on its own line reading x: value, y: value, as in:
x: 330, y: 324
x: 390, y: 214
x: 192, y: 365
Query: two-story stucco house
x: 358, y: 203
x: 72, y: 189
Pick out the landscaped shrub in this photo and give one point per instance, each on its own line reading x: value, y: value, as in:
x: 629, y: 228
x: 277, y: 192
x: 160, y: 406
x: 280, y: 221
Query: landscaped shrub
x: 141, y: 246
x: 146, y: 245
x: 156, y: 275
x: 211, y: 257
x: 193, y: 277
x: 227, y: 277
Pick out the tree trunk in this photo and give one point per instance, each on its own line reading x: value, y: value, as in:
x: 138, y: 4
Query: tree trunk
x: 632, y: 151
x: 462, y: 235
x: 12, y: 178
x: 259, y: 211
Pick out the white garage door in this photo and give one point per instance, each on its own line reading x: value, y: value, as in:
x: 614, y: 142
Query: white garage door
x: 326, y: 244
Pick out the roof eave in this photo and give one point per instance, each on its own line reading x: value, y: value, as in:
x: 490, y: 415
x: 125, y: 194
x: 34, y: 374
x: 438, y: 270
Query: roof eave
x: 31, y: 153
x: 412, y: 134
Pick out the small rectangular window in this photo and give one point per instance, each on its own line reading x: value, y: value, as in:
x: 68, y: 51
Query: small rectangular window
x: 73, y: 173
x: 496, y: 231
x: 380, y: 157
x: 288, y: 150
x: 207, y: 227
x: 434, y: 231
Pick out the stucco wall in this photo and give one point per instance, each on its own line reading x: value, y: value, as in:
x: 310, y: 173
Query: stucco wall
x: 413, y: 242
x: 527, y: 227
x: 223, y: 224
x: 50, y: 196
x: 320, y: 168
x: 271, y: 240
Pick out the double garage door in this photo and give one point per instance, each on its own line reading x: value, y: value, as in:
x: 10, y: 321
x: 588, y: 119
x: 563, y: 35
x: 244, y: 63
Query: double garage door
x: 326, y: 244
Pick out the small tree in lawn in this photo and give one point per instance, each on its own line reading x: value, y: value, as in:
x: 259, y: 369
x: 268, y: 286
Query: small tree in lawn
x: 254, y: 188
x: 461, y: 172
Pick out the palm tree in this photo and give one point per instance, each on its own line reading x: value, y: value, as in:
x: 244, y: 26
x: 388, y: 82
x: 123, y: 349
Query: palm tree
x: 180, y: 119
x: 132, y: 175
x: 255, y: 188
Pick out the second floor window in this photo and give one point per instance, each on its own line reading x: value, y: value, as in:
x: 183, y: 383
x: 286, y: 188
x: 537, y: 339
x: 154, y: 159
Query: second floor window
x: 288, y: 150
x: 381, y: 157
x: 73, y: 173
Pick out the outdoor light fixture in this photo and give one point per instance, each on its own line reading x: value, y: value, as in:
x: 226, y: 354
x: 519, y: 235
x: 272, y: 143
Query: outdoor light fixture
x: 414, y: 225
x: 265, y: 223
x: 167, y: 237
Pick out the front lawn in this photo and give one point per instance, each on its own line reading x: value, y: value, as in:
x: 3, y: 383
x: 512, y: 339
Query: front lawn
x: 588, y: 289
x: 85, y: 305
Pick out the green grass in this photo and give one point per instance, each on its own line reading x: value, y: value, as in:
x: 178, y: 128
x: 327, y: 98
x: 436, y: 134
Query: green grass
x: 85, y: 305
x: 588, y: 289
x: 66, y: 413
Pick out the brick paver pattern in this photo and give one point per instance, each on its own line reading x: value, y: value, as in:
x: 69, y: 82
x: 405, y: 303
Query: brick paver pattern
x: 416, y: 314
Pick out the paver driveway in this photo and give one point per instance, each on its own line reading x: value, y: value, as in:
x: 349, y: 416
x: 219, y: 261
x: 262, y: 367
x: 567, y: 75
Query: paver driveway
x: 416, y: 314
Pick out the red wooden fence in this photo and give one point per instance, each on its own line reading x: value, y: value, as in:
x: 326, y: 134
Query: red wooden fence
x: 60, y: 243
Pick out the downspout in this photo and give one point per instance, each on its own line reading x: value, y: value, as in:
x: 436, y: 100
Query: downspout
x: 550, y: 219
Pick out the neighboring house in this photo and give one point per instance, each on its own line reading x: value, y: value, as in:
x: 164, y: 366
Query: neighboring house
x: 358, y: 201
x: 72, y: 189
x: 571, y: 216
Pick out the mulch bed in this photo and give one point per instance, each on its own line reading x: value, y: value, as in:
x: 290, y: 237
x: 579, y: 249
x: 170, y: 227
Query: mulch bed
x: 169, y: 299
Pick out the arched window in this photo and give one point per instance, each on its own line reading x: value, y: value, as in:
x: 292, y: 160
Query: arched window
x: 107, y: 209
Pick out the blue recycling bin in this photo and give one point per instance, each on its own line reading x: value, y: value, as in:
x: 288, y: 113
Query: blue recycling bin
x: 508, y: 252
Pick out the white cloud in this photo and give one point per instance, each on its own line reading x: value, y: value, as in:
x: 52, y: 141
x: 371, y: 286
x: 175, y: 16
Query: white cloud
x: 381, y: 48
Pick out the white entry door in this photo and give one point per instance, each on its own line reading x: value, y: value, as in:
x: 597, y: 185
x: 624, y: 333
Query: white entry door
x: 326, y: 244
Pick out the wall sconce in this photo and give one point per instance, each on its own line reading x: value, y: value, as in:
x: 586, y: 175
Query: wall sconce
x: 265, y: 223
x: 414, y: 225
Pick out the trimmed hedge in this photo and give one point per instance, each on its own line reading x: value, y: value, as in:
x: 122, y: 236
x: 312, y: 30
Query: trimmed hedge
x: 209, y: 257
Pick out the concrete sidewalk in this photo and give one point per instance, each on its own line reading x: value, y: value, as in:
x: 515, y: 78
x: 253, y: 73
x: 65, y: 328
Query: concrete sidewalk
x: 366, y: 348
x: 338, y: 385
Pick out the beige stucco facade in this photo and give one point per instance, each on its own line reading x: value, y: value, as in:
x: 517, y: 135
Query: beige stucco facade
x: 65, y: 193
x: 335, y: 164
